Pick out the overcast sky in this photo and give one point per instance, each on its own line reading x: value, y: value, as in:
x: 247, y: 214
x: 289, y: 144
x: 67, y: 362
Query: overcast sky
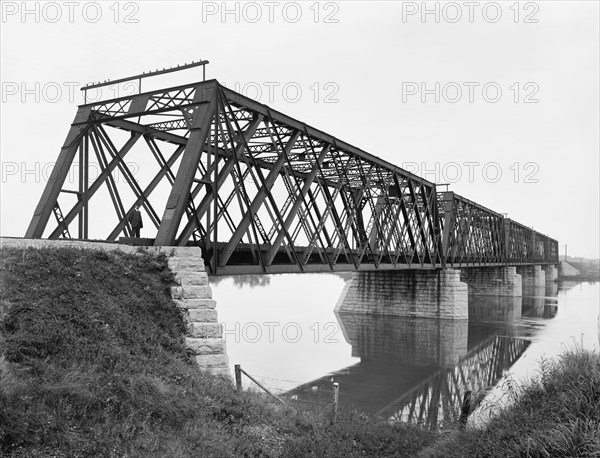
x: 499, y: 99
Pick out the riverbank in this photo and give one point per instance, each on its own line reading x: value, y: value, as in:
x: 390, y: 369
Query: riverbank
x: 579, y: 269
x: 558, y: 414
x: 93, y: 364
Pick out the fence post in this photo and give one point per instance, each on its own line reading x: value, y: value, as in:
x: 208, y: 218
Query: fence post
x: 238, y: 378
x: 465, y: 410
x: 336, y: 395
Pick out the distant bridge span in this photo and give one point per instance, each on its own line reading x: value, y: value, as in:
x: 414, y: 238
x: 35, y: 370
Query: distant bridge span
x: 261, y: 192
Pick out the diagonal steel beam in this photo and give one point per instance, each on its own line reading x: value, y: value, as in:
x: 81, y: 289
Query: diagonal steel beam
x: 59, y: 173
x: 178, y: 199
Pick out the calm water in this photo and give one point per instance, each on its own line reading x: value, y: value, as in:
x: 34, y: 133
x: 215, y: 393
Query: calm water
x: 282, y: 330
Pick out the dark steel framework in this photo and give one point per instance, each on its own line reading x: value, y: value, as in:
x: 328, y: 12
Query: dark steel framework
x: 261, y: 192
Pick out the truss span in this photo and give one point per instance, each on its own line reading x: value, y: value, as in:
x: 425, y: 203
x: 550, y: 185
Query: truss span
x: 261, y: 192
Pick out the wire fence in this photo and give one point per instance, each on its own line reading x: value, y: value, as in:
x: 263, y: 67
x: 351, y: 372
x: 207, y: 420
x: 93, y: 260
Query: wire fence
x: 319, y: 399
x: 312, y: 400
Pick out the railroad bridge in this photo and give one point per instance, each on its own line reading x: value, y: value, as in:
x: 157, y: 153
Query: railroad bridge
x: 261, y: 192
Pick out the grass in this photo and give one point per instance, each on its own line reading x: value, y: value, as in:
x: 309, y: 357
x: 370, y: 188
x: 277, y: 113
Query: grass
x: 92, y: 364
x: 557, y: 415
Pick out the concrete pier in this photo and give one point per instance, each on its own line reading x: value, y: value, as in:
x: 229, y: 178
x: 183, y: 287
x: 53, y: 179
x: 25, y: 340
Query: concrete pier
x: 421, y: 293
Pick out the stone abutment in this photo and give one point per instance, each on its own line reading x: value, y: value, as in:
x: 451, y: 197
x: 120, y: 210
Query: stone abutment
x: 191, y: 294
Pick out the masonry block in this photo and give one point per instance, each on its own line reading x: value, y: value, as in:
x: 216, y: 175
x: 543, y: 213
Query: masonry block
x: 205, y: 329
x: 191, y: 278
x: 189, y: 304
x: 202, y: 315
x: 195, y: 292
x: 188, y: 264
x: 203, y: 346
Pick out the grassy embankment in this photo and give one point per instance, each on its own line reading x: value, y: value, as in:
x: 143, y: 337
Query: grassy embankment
x: 589, y: 270
x: 92, y: 363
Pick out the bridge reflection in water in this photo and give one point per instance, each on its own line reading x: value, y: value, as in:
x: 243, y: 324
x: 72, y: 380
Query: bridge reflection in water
x: 436, y: 402
x: 418, y: 369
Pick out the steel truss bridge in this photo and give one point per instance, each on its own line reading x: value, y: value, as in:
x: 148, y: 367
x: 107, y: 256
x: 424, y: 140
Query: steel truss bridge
x: 261, y: 192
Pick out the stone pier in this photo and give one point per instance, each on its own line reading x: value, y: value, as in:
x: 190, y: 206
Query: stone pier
x: 411, y: 293
x: 551, y: 273
x: 532, y: 276
x: 492, y: 281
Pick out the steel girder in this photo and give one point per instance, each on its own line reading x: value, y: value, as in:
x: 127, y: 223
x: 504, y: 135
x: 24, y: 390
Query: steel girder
x: 259, y: 191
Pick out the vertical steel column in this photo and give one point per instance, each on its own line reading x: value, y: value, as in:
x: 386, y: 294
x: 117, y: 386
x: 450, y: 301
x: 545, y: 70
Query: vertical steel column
x: 547, y: 249
x: 507, y: 253
x: 449, y: 220
x: 214, y: 191
x: 435, y: 221
x: 86, y: 183
x: 82, y: 171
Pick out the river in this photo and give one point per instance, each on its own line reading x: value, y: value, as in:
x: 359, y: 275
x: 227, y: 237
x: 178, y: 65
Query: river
x: 282, y: 330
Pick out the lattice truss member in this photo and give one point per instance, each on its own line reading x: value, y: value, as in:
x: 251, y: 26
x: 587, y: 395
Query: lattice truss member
x: 257, y: 190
